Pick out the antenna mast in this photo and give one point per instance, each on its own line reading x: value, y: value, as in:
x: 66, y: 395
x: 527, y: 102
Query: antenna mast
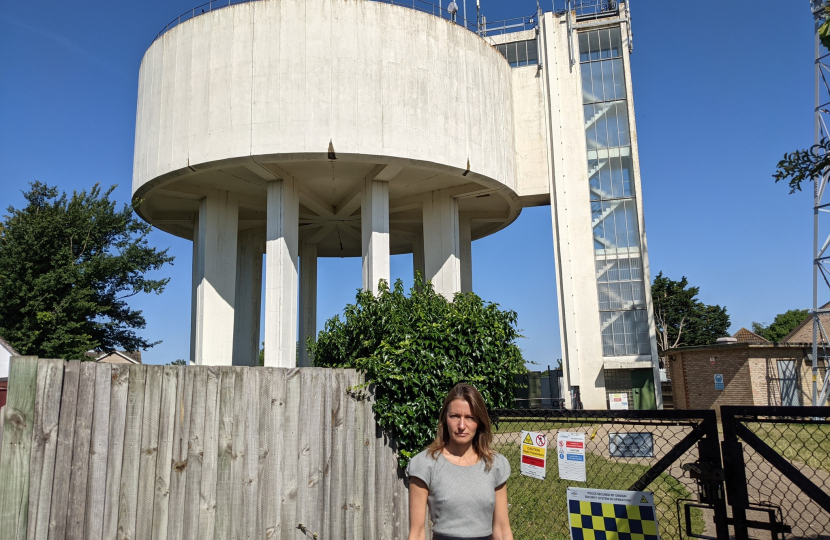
x: 820, y: 258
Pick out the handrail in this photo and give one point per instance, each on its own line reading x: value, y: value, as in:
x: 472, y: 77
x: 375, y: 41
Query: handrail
x: 589, y: 9
x: 492, y: 28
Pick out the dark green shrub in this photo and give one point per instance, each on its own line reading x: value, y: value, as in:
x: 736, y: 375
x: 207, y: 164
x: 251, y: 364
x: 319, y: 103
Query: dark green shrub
x: 415, y: 348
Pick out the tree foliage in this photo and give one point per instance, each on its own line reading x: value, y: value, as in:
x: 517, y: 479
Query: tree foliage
x: 803, y: 165
x: 807, y: 165
x: 783, y: 324
x: 681, y: 319
x: 415, y: 348
x: 68, y: 265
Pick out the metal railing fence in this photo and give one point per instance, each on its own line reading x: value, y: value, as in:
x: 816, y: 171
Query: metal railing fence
x: 778, y: 470
x: 588, y: 9
x: 660, y: 438
x: 438, y: 10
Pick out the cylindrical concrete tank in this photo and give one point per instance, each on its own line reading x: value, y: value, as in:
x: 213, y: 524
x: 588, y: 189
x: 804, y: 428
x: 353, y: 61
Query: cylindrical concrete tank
x: 329, y: 92
x: 306, y: 128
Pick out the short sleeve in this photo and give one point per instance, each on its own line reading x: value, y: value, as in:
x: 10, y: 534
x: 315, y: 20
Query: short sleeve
x: 501, y: 469
x: 421, y: 467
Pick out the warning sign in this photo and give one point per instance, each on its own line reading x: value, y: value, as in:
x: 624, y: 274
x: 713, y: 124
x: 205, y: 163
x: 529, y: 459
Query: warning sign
x: 571, y: 452
x: 610, y: 514
x: 534, y: 454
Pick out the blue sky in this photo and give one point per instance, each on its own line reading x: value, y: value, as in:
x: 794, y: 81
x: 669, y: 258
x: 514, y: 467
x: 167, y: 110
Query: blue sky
x: 720, y: 94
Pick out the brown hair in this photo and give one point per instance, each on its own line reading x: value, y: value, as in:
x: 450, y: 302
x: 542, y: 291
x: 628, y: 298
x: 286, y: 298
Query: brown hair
x: 484, y: 435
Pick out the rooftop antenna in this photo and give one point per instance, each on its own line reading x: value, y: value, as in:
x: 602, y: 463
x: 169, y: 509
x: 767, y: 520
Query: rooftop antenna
x: 478, y: 16
x: 822, y: 89
x: 465, y: 13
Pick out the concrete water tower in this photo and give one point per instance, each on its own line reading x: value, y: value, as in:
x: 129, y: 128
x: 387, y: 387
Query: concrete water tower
x: 301, y: 129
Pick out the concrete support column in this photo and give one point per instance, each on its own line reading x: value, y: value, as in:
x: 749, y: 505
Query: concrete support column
x: 196, y: 277
x: 215, y: 278
x: 281, y: 274
x: 465, y: 242
x: 308, y: 300
x: 374, y: 216
x: 248, y: 298
x: 418, y: 256
x: 441, y: 244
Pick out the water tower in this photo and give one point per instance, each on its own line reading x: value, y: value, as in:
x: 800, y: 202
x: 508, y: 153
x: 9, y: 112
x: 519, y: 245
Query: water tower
x: 301, y: 129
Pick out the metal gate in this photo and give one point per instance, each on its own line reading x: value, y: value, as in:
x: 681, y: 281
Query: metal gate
x: 777, y: 463
x: 674, y: 454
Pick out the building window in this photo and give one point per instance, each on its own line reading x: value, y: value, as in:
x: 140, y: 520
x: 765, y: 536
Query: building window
x: 520, y: 53
x: 624, y: 333
x: 619, y: 265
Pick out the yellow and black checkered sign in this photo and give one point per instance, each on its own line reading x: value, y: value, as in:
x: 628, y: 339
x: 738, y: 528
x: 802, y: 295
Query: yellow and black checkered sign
x: 607, y: 521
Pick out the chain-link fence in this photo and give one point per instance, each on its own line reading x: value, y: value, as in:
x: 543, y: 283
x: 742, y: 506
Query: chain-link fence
x: 785, y: 473
x: 624, y: 450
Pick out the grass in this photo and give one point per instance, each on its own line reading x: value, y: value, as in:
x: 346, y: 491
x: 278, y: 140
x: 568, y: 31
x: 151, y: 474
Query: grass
x: 803, y: 443
x: 538, y: 507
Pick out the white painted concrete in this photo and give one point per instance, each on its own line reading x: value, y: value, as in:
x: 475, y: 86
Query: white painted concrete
x: 465, y: 246
x: 216, y: 278
x: 248, y: 305
x: 281, y: 274
x: 375, y: 232
x: 441, y: 243
x: 308, y: 299
x: 571, y: 214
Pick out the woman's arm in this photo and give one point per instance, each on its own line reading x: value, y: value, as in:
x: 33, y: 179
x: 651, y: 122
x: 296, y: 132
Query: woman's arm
x: 501, y: 520
x: 418, y: 494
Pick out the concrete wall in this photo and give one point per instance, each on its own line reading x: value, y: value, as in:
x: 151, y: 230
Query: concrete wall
x: 289, y: 77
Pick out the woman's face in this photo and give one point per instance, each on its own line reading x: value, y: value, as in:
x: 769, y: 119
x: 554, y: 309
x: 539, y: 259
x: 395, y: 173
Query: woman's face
x: 461, y: 423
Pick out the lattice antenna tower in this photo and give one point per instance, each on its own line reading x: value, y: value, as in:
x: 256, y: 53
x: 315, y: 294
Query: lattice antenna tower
x: 821, y: 204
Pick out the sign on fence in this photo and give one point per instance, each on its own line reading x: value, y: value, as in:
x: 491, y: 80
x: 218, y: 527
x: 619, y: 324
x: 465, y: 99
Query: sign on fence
x: 534, y: 454
x: 615, y: 514
x: 631, y: 444
x: 570, y: 448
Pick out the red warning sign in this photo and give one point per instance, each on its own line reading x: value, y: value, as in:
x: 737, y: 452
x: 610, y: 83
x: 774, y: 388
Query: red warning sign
x: 535, y: 462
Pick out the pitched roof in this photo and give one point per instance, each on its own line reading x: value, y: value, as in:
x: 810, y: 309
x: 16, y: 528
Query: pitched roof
x: 803, y: 333
x: 5, y: 344
x: 746, y: 336
x: 131, y: 357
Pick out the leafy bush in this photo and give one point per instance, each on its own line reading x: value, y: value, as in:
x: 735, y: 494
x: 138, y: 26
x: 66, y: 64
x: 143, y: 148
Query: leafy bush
x: 415, y: 348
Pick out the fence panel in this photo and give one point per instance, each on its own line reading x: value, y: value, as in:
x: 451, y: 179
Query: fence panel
x: 98, y: 451
x: 613, y: 439
x: 773, y: 442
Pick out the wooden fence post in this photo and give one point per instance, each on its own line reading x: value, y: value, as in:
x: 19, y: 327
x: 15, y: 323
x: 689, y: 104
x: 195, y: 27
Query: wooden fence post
x: 17, y: 444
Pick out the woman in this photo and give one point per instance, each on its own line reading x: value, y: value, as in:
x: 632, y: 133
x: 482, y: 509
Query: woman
x: 460, y: 476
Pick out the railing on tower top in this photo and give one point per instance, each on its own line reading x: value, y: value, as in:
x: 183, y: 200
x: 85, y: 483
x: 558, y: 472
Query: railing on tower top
x: 588, y: 9
x: 438, y: 10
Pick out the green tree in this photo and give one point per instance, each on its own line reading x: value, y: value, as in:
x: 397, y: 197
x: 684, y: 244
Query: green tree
x: 783, y: 324
x: 681, y: 319
x: 68, y: 265
x: 806, y: 165
x: 415, y: 348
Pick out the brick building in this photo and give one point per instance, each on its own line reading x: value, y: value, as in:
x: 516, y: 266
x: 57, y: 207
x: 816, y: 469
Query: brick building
x: 746, y: 370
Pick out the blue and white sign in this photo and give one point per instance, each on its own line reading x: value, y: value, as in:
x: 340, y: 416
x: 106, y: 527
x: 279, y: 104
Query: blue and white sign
x: 718, y: 382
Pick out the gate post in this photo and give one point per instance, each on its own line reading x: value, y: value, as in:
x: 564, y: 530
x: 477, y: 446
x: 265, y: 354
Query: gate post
x: 735, y: 468
x: 713, y: 488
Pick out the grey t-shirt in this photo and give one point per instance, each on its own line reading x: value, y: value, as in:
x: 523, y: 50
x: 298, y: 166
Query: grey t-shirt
x: 461, y: 499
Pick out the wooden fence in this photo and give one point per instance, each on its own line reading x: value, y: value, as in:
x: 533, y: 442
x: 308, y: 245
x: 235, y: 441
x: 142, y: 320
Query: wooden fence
x: 100, y: 451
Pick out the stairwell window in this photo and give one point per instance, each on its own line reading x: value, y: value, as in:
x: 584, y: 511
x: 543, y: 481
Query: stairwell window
x: 520, y: 53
